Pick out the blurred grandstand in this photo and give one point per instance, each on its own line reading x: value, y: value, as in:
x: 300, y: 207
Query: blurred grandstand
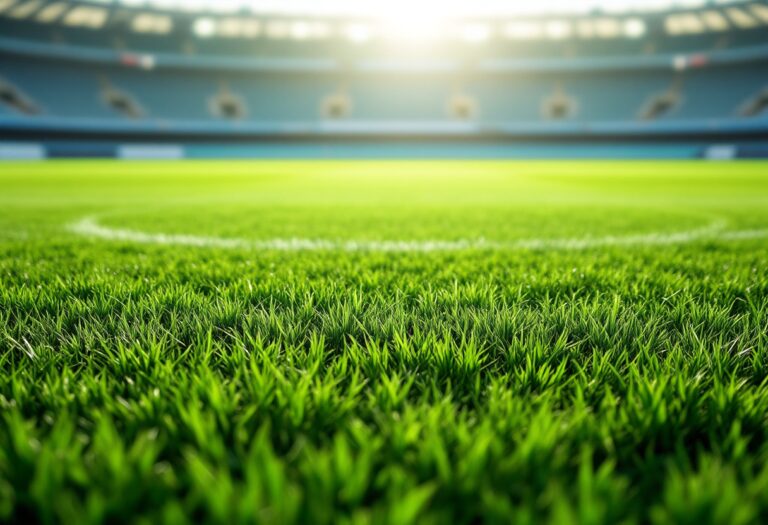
x: 106, y: 78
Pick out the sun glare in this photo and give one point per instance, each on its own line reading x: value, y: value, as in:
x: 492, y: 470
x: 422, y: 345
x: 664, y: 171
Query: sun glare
x: 403, y: 10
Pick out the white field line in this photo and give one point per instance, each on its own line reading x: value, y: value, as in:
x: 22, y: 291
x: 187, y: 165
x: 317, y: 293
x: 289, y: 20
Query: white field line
x: 90, y: 227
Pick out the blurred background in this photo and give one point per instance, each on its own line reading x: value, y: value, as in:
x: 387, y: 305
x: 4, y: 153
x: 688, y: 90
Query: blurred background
x: 337, y: 78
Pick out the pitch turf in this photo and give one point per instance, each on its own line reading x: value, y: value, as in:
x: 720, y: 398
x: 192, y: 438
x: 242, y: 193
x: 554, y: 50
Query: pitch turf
x: 384, y: 342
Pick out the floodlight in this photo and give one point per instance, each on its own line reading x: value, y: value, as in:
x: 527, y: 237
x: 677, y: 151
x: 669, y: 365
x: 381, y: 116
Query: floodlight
x: 204, y: 27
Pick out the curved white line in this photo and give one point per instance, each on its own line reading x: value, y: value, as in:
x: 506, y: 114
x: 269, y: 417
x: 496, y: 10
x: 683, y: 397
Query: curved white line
x: 90, y: 227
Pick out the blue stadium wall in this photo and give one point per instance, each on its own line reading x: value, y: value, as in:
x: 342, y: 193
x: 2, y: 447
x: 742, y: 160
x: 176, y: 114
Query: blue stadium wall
x: 418, y: 149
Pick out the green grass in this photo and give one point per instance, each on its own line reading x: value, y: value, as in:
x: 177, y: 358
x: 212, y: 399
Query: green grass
x: 150, y: 383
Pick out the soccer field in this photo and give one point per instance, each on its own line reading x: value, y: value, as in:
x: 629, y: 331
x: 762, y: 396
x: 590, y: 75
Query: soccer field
x: 384, y: 342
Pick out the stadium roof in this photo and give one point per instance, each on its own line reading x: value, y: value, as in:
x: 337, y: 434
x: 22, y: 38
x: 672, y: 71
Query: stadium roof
x: 405, y: 8
x: 361, y: 21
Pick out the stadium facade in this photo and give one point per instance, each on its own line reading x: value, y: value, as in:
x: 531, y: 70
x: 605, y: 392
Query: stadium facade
x: 117, y: 79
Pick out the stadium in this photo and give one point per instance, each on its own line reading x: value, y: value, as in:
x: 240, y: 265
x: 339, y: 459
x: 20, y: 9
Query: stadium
x: 384, y: 262
x: 692, y: 78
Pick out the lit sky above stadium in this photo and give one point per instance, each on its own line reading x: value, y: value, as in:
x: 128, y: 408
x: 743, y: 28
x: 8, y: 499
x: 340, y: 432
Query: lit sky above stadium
x: 411, y: 8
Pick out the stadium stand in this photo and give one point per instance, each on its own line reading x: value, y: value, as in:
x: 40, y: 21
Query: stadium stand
x: 81, y: 69
x: 719, y: 92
